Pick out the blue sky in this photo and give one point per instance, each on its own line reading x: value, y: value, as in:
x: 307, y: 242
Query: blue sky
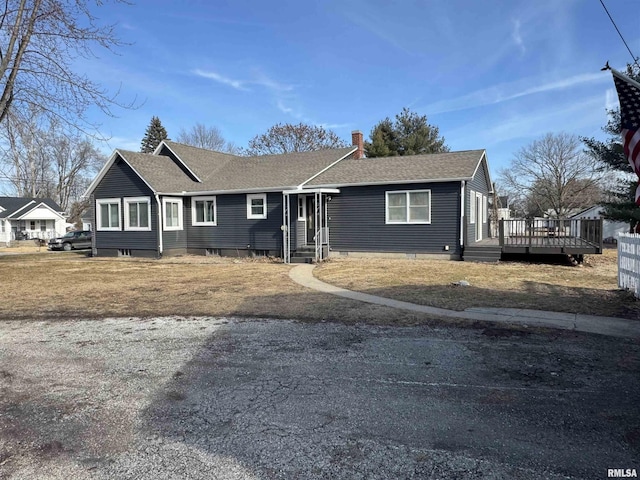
x: 490, y: 74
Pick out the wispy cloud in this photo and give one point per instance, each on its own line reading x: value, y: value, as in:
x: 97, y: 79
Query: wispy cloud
x: 264, y: 81
x: 258, y: 78
x: 237, y: 84
x: 516, y: 35
x: 286, y: 109
x: 579, y: 117
x: 509, y: 91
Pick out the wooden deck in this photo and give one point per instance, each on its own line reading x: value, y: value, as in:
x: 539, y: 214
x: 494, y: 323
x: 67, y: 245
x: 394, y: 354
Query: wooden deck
x: 549, y: 236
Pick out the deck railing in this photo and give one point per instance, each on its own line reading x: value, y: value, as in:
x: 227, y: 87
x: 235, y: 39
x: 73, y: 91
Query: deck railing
x: 569, y: 232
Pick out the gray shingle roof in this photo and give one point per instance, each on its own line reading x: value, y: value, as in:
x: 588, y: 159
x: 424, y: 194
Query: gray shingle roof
x: 12, y: 205
x: 224, y: 172
x: 431, y: 167
x: 159, y: 171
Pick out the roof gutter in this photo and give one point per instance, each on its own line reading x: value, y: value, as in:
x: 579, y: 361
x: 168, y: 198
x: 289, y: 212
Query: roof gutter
x: 197, y: 193
x: 392, y: 182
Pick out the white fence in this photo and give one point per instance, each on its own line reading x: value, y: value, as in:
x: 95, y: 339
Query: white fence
x: 629, y: 262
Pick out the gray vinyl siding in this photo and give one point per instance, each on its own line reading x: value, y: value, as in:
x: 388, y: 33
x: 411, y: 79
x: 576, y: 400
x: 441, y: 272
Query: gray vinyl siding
x: 234, y: 230
x: 479, y: 183
x: 121, y: 181
x: 357, y: 221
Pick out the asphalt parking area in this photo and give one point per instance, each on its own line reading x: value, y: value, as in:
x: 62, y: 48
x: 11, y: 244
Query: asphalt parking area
x: 216, y: 398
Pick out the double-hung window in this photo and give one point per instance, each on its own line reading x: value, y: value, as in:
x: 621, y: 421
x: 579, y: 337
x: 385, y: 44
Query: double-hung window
x: 257, y: 206
x: 137, y: 211
x: 108, y: 213
x: 410, y: 206
x: 172, y: 213
x: 203, y: 211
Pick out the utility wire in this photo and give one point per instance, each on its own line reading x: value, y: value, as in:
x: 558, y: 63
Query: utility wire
x: 635, y: 59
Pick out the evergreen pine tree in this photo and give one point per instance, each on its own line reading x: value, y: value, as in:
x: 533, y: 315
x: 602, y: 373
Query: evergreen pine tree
x: 154, y: 134
x: 409, y: 134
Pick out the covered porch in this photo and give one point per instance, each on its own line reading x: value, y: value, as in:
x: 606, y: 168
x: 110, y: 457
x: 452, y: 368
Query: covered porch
x: 305, y: 226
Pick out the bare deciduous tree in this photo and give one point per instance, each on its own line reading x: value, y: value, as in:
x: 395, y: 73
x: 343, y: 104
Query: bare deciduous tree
x: 44, y: 158
x: 40, y: 40
x: 202, y: 136
x: 554, y: 175
x: 287, y: 138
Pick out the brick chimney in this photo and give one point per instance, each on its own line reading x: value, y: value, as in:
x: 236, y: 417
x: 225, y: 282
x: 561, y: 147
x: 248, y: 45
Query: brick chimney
x: 357, y: 140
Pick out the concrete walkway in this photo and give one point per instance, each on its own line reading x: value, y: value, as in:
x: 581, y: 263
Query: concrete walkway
x: 611, y: 326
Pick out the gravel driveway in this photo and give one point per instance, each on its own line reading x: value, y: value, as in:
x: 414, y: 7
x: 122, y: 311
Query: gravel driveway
x: 221, y: 398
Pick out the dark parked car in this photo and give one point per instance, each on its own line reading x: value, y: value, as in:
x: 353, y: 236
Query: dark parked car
x: 71, y: 240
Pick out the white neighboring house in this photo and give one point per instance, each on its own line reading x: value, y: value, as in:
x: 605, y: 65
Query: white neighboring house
x: 610, y: 229
x: 27, y: 218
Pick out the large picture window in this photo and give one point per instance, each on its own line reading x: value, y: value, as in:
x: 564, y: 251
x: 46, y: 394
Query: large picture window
x: 108, y: 213
x: 257, y: 206
x: 203, y: 211
x: 411, y: 206
x: 172, y: 213
x: 137, y: 211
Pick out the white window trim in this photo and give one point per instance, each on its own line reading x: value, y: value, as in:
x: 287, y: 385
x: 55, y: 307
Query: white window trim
x: 166, y: 200
x: 129, y: 200
x: 472, y: 207
x: 408, y: 221
x: 194, y: 222
x: 252, y: 196
x: 103, y: 201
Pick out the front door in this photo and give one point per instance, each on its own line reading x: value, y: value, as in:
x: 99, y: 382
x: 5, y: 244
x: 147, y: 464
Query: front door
x: 311, y: 219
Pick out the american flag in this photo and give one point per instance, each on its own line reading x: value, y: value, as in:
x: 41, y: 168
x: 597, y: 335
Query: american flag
x: 629, y: 96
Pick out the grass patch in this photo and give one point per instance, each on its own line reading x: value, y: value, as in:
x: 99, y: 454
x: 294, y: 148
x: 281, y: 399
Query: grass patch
x: 71, y: 285
x: 590, y: 289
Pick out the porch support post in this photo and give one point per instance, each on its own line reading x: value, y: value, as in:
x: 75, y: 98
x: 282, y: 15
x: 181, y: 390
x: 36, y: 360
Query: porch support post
x: 318, y: 222
x: 286, y: 228
x: 326, y: 221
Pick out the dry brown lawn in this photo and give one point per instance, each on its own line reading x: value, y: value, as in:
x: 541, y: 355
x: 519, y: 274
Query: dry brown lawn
x: 591, y: 288
x: 63, y: 285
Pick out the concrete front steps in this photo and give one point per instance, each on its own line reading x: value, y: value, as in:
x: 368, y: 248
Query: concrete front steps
x: 485, y: 253
x: 304, y: 255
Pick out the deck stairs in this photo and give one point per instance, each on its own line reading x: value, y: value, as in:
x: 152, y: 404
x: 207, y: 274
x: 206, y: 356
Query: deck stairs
x: 482, y: 253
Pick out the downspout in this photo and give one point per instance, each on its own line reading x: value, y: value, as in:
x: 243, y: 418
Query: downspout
x: 462, y: 211
x: 159, y: 225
